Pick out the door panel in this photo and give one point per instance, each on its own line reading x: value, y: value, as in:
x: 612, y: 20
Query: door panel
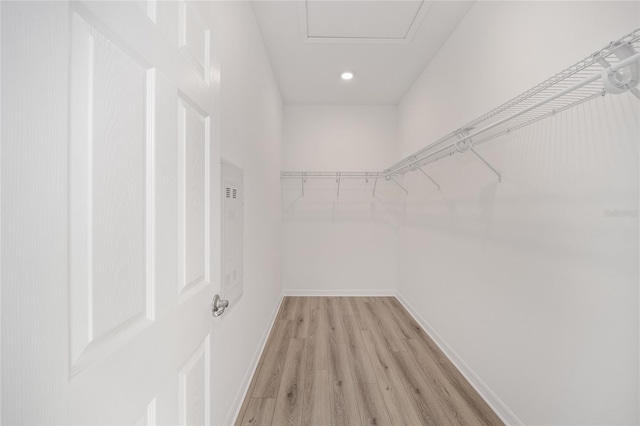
x: 194, y: 389
x: 34, y: 220
x: 134, y: 317
x: 194, y: 172
x: 111, y: 286
x: 194, y: 39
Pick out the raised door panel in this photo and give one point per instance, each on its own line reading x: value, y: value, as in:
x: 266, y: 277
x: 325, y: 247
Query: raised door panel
x: 112, y: 106
x: 193, y: 39
x: 193, y: 388
x: 194, y: 203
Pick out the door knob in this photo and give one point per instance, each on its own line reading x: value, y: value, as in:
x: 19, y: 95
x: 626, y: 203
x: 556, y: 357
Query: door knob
x: 218, y: 306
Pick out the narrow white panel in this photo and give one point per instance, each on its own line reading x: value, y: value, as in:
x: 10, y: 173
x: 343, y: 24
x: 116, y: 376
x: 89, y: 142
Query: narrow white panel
x: 195, y: 134
x: 111, y: 114
x: 194, y: 172
x: 194, y: 389
x: 165, y: 13
x: 232, y: 231
x: 118, y: 190
x: 194, y: 40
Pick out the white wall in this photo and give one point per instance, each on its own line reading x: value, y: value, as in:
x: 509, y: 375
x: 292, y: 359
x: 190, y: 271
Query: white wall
x: 339, y: 244
x: 528, y: 280
x: 251, y: 135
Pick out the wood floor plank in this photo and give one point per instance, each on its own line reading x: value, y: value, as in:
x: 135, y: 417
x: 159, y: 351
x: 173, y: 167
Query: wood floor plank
x: 317, y: 407
x: 407, y: 326
x: 314, y: 302
x: 318, y: 341
x: 395, y: 395
x: 382, y: 324
x: 460, y: 411
x: 331, y: 360
x: 334, y: 320
x: 345, y: 305
x: 247, y: 398
x: 301, y: 318
x: 267, y: 380
x: 365, y: 320
x: 354, y: 306
x: 276, y: 334
x: 289, y: 402
x: 259, y: 412
x: 464, y: 388
x: 288, y: 308
x: 398, y: 326
x: 371, y: 405
x: 422, y: 397
x: 451, y: 374
x: 359, y: 361
x: 344, y: 402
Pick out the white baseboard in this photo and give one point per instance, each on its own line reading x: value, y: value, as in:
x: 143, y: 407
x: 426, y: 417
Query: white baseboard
x: 496, y: 404
x: 338, y: 293
x: 246, y: 381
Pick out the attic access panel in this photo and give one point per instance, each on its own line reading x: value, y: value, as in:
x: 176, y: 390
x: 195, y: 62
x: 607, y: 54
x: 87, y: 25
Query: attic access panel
x: 366, y: 21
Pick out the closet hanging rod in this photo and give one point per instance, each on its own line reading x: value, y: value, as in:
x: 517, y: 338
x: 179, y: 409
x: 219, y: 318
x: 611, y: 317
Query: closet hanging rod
x: 605, y: 71
x: 331, y: 175
x: 556, y: 90
x: 418, y: 161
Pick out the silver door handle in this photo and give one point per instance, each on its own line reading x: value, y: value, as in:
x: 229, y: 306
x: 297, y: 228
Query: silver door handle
x: 218, y: 306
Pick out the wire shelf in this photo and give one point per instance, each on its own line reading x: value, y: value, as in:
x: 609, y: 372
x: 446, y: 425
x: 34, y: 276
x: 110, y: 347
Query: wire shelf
x: 573, y: 86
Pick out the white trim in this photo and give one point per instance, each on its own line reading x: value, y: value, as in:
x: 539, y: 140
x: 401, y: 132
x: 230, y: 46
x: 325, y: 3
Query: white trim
x: 246, y: 381
x: 496, y: 404
x: 340, y: 293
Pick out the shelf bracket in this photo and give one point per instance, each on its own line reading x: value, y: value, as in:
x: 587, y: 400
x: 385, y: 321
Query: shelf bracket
x: 396, y: 182
x: 338, y: 182
x: 605, y: 64
x: 486, y: 163
x: 375, y: 183
x: 429, y: 177
x: 625, y: 79
x: 464, y: 144
x: 304, y: 179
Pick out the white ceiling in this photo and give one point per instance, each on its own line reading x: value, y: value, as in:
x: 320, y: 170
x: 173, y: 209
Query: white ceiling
x: 385, y: 43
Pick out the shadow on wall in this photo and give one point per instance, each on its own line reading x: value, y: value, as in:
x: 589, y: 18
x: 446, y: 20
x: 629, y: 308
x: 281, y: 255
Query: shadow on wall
x: 352, y: 201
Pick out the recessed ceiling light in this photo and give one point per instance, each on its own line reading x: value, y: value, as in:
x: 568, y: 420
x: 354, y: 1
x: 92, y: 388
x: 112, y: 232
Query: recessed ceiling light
x: 347, y: 75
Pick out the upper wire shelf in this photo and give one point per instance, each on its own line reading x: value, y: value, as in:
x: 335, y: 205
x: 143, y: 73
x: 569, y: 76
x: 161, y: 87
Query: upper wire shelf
x: 612, y: 69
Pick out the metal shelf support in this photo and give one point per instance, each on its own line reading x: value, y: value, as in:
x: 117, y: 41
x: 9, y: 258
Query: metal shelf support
x: 429, y: 177
x: 486, y: 163
x: 396, y: 182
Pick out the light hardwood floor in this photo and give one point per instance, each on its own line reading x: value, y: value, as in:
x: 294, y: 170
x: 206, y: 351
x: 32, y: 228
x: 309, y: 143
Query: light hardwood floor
x: 356, y: 361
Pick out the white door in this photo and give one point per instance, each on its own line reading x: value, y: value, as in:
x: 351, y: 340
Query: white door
x: 109, y: 212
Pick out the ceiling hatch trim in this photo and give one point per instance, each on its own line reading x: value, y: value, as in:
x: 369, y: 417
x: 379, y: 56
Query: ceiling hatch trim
x: 416, y: 21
